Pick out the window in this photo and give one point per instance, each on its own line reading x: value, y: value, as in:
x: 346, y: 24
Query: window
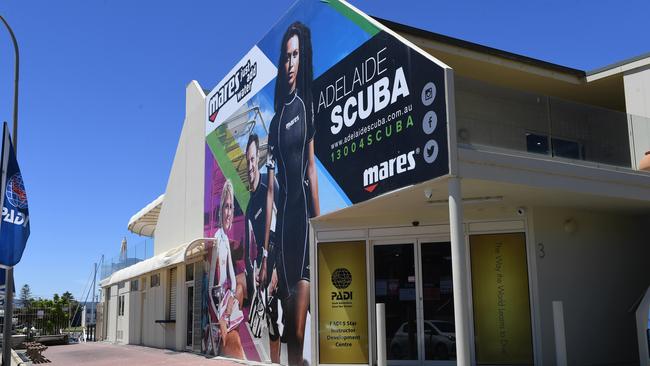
x: 134, y: 285
x: 189, y: 272
x: 537, y: 143
x: 171, y: 299
x: 190, y: 316
x: 120, y: 305
x: 155, y: 280
x: 566, y: 149
x: 120, y: 285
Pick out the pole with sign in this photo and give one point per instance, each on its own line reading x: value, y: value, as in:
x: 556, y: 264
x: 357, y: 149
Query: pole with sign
x: 14, y: 228
x: 6, y: 352
x: 8, y: 300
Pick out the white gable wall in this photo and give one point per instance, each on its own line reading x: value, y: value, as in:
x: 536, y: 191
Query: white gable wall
x: 637, y: 103
x: 181, y: 215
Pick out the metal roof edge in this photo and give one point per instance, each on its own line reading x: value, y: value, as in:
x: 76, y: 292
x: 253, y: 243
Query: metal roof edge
x: 480, y: 48
x: 619, y: 64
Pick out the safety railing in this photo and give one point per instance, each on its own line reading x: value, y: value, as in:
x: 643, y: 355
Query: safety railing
x: 493, y: 116
x: 135, y: 253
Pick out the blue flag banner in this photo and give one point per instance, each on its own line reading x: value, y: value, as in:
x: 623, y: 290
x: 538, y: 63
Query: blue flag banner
x: 14, y: 228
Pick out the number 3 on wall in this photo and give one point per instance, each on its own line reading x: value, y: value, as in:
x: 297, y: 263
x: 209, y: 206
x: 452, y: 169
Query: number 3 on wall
x: 540, y: 250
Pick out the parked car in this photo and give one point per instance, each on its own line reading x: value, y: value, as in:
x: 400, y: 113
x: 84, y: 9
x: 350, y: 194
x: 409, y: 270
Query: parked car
x: 439, y: 338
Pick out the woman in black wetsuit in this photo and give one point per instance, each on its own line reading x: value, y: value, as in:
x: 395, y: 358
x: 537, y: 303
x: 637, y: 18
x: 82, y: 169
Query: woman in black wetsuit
x: 291, y: 152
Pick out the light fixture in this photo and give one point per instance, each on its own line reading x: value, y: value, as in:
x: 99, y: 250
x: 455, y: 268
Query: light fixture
x: 570, y: 226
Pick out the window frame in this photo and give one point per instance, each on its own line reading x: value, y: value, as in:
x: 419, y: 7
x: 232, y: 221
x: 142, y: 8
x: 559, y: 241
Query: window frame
x: 155, y: 280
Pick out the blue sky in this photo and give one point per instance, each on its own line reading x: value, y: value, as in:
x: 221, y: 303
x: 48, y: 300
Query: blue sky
x: 103, y: 84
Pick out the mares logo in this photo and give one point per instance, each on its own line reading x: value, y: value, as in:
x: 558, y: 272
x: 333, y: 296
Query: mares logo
x: 239, y: 85
x: 384, y: 170
x: 341, y: 279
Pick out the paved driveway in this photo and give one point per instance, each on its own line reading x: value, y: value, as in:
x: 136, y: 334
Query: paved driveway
x: 105, y: 354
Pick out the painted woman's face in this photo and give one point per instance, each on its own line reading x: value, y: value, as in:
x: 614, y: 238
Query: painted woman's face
x: 227, y: 212
x: 292, y: 61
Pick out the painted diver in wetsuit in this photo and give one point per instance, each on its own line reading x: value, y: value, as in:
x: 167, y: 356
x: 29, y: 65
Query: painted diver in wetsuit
x: 254, y: 249
x: 291, y: 152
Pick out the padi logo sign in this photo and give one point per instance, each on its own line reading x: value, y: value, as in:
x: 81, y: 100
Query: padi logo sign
x: 238, y: 85
x: 386, y: 169
x: 17, y: 197
x: 341, y: 279
x: 15, y: 191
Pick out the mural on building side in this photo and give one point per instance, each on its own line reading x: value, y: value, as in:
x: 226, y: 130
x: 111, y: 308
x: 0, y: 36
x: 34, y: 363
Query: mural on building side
x: 326, y: 111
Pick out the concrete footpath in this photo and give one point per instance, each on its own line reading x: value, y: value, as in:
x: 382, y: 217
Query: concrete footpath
x: 106, y: 354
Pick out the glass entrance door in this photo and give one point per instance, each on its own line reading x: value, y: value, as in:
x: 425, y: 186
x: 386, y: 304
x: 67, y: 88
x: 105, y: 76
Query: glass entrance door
x: 395, y: 286
x: 414, y: 281
x: 437, y: 302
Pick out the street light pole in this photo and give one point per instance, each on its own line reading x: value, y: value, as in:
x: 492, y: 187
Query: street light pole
x: 8, y: 323
x: 16, y: 74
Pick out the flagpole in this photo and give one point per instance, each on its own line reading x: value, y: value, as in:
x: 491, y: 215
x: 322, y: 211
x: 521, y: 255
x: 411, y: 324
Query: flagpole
x: 6, y: 346
x: 8, y: 314
x: 16, y: 74
x: 8, y: 322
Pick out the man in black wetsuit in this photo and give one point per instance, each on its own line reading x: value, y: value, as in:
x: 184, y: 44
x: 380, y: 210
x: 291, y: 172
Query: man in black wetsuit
x: 254, y: 239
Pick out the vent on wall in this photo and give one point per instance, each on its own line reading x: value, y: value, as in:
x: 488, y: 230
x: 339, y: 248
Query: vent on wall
x: 172, y: 294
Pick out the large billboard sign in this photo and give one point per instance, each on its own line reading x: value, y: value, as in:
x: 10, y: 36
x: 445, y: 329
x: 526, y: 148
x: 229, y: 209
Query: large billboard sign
x: 380, y: 118
x: 328, y: 110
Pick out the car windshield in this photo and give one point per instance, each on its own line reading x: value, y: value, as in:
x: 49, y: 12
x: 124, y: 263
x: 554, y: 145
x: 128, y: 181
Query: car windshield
x: 445, y: 327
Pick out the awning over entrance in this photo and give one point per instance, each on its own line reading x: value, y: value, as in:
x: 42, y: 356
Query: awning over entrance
x: 171, y: 257
x: 144, y: 222
x: 197, y: 247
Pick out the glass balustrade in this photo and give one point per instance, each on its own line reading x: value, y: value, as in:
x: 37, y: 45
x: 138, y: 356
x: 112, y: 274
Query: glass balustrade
x: 497, y: 117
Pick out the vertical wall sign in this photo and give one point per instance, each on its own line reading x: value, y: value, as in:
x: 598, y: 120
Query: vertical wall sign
x: 342, y: 303
x: 502, y: 319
